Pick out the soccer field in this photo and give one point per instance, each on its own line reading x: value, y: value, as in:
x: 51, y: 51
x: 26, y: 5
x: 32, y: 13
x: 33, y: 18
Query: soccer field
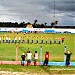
x: 8, y: 51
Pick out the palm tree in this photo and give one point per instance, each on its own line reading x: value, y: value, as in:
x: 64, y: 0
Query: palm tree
x: 54, y: 23
x: 35, y: 21
x: 45, y: 24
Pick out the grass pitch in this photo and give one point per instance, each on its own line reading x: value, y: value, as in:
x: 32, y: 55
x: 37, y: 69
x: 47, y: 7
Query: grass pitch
x: 8, y: 51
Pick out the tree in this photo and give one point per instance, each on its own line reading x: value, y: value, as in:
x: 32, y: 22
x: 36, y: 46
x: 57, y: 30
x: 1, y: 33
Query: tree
x: 54, y: 23
x: 35, y: 21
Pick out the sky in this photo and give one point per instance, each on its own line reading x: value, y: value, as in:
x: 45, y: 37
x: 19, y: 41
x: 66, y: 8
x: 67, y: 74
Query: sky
x: 41, y: 10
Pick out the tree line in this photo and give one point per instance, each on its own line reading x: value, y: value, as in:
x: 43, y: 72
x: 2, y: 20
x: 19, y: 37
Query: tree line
x: 35, y: 25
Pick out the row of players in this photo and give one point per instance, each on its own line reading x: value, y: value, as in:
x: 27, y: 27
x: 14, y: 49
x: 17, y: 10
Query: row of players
x: 27, y: 40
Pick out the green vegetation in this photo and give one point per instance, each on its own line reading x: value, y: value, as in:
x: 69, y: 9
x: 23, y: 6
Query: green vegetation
x: 35, y: 25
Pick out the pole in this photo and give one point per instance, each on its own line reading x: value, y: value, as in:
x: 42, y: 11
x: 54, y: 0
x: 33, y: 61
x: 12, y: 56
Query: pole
x: 16, y: 53
x: 64, y: 51
x: 54, y: 11
x: 40, y: 53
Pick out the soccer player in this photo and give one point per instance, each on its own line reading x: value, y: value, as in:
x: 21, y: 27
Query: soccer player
x: 0, y: 39
x: 46, y: 40
x: 54, y: 40
x: 16, y: 39
x: 19, y: 39
x: 23, y: 41
x: 42, y: 41
x: 13, y: 40
x: 51, y: 41
x: 36, y: 39
x: 28, y: 40
x: 63, y: 38
x: 7, y: 40
x: 32, y: 40
x: 59, y: 42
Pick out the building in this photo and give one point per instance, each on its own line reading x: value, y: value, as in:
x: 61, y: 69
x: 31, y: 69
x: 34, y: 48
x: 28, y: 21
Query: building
x: 29, y: 26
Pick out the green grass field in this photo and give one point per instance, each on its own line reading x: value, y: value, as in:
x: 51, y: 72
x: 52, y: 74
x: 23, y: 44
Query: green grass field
x: 8, y: 51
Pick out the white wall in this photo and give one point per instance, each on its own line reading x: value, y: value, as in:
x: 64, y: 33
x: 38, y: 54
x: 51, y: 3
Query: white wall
x: 37, y: 29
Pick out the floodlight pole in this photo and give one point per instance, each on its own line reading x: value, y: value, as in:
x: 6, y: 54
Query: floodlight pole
x: 40, y: 53
x: 65, y: 55
x: 16, y: 53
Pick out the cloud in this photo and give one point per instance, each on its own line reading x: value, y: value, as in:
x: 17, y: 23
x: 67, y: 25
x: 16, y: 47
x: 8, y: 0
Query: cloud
x: 42, y: 10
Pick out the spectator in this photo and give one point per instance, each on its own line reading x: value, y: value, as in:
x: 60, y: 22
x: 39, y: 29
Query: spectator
x: 35, y: 58
x: 46, y: 58
x: 23, y: 59
x: 68, y: 54
x: 29, y: 54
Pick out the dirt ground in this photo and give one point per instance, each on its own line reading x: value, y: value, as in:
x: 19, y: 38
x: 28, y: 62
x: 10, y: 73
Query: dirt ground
x: 24, y: 73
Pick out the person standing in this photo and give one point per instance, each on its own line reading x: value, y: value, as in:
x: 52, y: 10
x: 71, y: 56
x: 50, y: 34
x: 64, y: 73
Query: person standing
x: 19, y: 39
x: 0, y: 39
x: 63, y: 38
x: 32, y: 40
x: 59, y: 42
x: 46, y: 40
x: 35, y: 58
x: 50, y: 41
x: 68, y: 54
x: 7, y: 40
x: 29, y: 54
x: 42, y: 40
x: 54, y: 40
x: 36, y: 39
x: 23, y: 59
x: 46, y: 58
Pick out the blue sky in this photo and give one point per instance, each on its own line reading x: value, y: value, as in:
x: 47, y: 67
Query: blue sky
x: 42, y: 10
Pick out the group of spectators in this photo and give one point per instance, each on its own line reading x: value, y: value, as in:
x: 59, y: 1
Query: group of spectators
x: 29, y: 58
x: 46, y: 60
